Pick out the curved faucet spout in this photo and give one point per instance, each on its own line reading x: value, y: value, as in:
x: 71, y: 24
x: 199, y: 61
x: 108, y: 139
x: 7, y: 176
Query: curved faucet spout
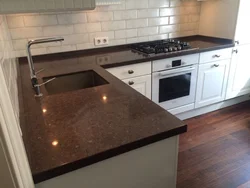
x: 30, y: 60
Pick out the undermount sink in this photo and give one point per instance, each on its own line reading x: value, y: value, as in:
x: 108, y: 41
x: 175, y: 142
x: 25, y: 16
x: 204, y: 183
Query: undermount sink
x: 74, y: 81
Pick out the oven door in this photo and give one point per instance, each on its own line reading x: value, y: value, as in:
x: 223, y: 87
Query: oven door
x: 174, y: 88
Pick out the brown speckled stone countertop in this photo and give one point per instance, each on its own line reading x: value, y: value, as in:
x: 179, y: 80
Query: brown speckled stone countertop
x: 71, y: 130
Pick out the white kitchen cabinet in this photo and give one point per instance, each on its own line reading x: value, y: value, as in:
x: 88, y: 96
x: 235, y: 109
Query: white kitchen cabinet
x: 141, y: 84
x: 27, y: 6
x: 239, y: 76
x: 212, y: 83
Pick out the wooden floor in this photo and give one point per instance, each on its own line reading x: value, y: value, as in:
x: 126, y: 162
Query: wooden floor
x: 215, y: 152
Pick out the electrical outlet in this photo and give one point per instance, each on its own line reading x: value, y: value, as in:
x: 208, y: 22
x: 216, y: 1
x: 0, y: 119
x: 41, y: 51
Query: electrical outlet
x: 101, y: 41
x: 103, y: 59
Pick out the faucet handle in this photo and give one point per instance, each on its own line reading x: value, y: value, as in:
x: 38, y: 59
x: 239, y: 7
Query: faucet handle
x: 41, y: 70
x: 38, y: 85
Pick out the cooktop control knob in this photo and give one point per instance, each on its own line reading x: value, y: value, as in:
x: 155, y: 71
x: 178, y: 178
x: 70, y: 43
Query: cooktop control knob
x: 165, y: 50
x: 179, y: 47
x: 170, y: 49
x: 175, y: 48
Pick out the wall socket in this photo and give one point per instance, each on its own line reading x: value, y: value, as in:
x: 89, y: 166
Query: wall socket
x: 101, y: 41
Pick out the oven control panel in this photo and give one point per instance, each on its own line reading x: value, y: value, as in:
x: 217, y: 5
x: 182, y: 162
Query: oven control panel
x: 175, y: 62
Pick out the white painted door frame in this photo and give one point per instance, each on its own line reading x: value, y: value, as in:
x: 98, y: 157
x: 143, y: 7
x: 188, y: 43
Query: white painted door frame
x: 12, y: 141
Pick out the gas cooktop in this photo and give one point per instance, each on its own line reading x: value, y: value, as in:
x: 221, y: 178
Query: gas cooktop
x: 161, y: 47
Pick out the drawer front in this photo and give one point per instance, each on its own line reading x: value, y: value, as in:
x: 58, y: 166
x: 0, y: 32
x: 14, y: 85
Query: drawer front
x: 131, y: 71
x: 164, y: 64
x: 215, y: 55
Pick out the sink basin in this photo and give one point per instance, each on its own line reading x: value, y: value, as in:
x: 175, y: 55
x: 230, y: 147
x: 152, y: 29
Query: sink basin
x: 75, y: 81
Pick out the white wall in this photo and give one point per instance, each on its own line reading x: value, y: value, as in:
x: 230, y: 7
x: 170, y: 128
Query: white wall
x: 8, y: 64
x: 132, y: 21
x: 218, y: 18
x: 10, y: 132
x: 7, y: 180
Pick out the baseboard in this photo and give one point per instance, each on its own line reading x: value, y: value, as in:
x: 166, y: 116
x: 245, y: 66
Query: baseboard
x: 210, y: 108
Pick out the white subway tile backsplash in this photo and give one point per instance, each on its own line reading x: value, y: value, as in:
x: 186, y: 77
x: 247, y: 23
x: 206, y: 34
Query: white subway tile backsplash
x: 59, y: 30
x: 137, y: 23
x: 25, y: 32
x: 169, y: 28
x: 117, y: 42
x: 87, y: 27
x: 39, y: 20
x: 129, y: 33
x: 113, y: 25
x: 170, y: 11
x: 19, y: 44
x: 72, y: 18
x: 158, y: 37
x: 139, y: 4
x: 125, y: 14
x: 158, y: 3
x: 158, y: 21
x: 131, y: 21
x: 15, y: 21
x: 148, y: 13
x: 110, y: 34
x: 147, y: 31
x: 64, y: 48
x: 75, y: 39
x: 99, y: 16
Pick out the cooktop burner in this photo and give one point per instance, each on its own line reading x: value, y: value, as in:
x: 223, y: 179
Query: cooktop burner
x: 163, y: 46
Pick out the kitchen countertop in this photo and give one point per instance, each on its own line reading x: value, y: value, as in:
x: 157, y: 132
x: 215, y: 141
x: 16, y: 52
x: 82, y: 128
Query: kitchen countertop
x: 92, y: 124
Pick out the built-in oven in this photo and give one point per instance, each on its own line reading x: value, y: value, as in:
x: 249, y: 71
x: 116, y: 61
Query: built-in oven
x: 175, y: 85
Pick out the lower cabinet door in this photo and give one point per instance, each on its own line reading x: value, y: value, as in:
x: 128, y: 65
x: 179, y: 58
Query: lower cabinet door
x: 212, y: 83
x: 141, y: 84
x: 239, y: 76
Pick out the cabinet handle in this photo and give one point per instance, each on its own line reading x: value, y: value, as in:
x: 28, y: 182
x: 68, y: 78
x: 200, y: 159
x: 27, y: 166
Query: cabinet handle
x: 130, y: 83
x: 130, y: 71
x: 235, y: 51
x: 237, y: 42
x: 217, y: 56
x: 216, y: 65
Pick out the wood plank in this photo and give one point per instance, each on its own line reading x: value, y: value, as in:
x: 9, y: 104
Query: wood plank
x: 215, y: 152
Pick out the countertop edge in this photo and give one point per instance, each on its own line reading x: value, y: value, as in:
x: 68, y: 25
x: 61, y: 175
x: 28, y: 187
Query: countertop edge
x: 38, y: 178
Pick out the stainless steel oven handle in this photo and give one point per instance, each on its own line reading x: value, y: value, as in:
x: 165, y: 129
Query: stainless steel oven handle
x: 168, y: 72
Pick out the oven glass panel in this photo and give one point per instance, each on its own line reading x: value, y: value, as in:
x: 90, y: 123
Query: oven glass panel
x: 174, y: 87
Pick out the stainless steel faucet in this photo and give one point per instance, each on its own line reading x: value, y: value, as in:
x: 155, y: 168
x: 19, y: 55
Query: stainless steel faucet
x: 33, y: 73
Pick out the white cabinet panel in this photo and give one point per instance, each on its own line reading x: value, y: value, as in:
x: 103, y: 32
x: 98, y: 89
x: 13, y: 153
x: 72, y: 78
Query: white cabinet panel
x: 141, y: 84
x: 239, y: 76
x: 212, y: 82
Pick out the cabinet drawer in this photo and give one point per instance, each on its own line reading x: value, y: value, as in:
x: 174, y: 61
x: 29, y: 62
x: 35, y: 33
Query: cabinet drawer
x: 215, y: 55
x: 131, y: 71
